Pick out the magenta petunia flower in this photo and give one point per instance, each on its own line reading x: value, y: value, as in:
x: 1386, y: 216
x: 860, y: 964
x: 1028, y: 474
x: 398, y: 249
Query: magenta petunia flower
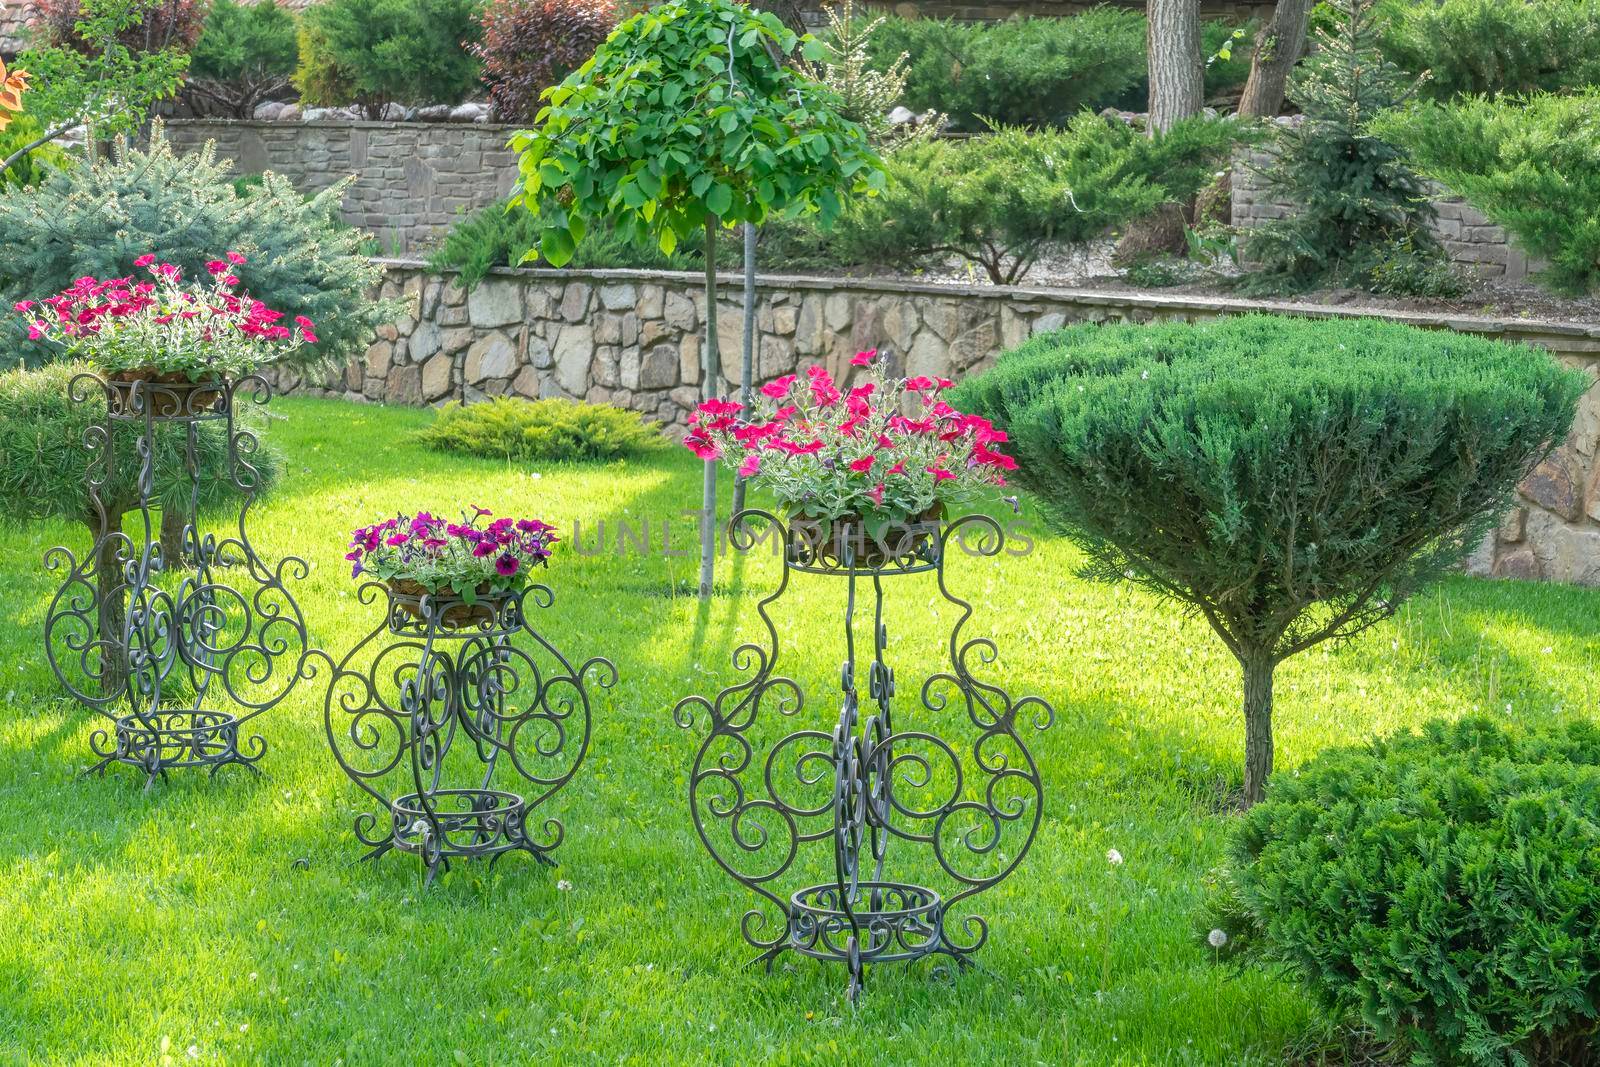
x: 506, y: 565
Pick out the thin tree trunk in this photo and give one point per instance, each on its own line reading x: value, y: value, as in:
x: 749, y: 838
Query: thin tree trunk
x: 172, y: 525
x: 1258, y: 666
x: 110, y: 613
x: 1177, y: 70
x: 710, y: 371
x: 1278, y: 48
x: 748, y: 361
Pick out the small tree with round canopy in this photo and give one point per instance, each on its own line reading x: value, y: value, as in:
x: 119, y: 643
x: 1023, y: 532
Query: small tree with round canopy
x: 1292, y: 481
x: 687, y: 120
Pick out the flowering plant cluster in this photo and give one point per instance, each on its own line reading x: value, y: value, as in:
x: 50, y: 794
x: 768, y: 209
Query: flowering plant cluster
x: 885, y: 450
x: 481, y: 555
x: 166, y: 326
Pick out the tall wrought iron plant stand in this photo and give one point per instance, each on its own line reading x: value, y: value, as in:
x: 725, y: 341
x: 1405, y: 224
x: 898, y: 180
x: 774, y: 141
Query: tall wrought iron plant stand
x: 179, y: 665
x: 437, y: 674
x: 869, y: 781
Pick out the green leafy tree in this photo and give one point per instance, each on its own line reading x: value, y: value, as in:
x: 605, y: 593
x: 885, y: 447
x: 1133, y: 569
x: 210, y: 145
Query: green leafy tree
x: 245, y: 56
x: 102, y: 82
x: 1531, y: 165
x: 1292, y: 481
x: 378, y: 52
x: 687, y: 120
x: 1357, y: 199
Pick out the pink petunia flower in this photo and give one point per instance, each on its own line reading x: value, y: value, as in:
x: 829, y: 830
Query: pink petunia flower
x: 861, y: 359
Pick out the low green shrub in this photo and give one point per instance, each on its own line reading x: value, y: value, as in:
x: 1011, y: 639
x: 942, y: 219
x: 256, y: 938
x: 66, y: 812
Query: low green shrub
x: 1531, y: 165
x: 1473, y: 47
x: 245, y: 56
x: 999, y: 201
x: 378, y: 52
x: 553, y: 429
x: 96, y: 220
x: 1021, y: 72
x: 1442, y: 886
x: 1292, y: 480
x: 493, y: 237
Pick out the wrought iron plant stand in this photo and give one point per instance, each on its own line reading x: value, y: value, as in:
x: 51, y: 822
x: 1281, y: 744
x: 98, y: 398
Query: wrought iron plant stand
x: 870, y: 781
x: 178, y: 654
x: 436, y: 674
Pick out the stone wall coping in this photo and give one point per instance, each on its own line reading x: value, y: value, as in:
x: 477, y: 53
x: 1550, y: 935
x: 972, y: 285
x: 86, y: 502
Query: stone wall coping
x: 363, y: 124
x: 1478, y: 324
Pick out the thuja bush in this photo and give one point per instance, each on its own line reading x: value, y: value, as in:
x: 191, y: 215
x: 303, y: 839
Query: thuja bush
x: 1443, y: 887
x: 529, y: 45
x: 1490, y: 47
x: 1291, y: 481
x: 244, y: 56
x: 1531, y: 165
x: 96, y: 220
x: 1020, y: 72
x: 550, y: 429
x: 999, y: 201
x: 377, y: 52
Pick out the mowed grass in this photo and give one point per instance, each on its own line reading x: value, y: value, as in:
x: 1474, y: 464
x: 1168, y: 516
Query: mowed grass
x: 229, y: 920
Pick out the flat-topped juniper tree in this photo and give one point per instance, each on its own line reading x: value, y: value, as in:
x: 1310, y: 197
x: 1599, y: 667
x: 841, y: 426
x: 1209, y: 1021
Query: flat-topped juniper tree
x: 1292, y: 481
x: 687, y: 120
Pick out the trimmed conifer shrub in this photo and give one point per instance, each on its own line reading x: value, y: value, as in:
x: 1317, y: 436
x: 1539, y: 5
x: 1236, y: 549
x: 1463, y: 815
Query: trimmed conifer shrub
x: 1292, y: 481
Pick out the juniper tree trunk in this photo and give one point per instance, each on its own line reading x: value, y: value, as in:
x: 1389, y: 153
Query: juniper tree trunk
x: 748, y: 356
x: 110, y: 613
x: 710, y: 369
x: 1177, y: 82
x: 1258, y: 666
x: 1278, y: 48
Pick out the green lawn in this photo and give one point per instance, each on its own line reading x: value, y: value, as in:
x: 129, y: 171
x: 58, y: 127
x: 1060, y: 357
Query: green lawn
x: 229, y: 920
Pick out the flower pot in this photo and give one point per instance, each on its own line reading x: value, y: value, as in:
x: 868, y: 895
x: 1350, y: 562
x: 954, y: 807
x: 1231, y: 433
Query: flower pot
x: 829, y: 543
x: 164, y: 394
x: 457, y: 613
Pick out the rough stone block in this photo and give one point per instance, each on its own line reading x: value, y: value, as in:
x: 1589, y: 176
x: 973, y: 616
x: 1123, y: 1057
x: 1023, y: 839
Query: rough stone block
x: 494, y: 302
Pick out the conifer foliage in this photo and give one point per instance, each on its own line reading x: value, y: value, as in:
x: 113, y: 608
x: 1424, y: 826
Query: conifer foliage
x: 1361, y: 205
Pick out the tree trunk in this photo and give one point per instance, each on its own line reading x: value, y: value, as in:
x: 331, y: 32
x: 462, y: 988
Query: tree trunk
x: 172, y: 525
x: 110, y: 613
x: 710, y: 371
x: 1278, y: 48
x: 1258, y: 666
x: 1177, y: 70
x: 748, y: 357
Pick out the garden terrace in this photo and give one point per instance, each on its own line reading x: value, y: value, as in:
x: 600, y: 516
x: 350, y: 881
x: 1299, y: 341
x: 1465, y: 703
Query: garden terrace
x: 638, y: 959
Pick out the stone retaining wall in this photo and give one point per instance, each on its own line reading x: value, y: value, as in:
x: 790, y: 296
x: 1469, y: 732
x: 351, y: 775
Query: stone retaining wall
x: 413, y: 179
x: 1472, y: 241
x: 632, y: 338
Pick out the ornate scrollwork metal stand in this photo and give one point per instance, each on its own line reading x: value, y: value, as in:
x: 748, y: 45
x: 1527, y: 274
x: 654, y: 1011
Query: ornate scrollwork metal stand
x: 399, y: 698
x: 868, y: 780
x: 179, y: 665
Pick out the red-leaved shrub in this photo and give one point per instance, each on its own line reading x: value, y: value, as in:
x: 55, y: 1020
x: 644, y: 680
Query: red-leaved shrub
x: 165, y: 24
x: 529, y: 45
